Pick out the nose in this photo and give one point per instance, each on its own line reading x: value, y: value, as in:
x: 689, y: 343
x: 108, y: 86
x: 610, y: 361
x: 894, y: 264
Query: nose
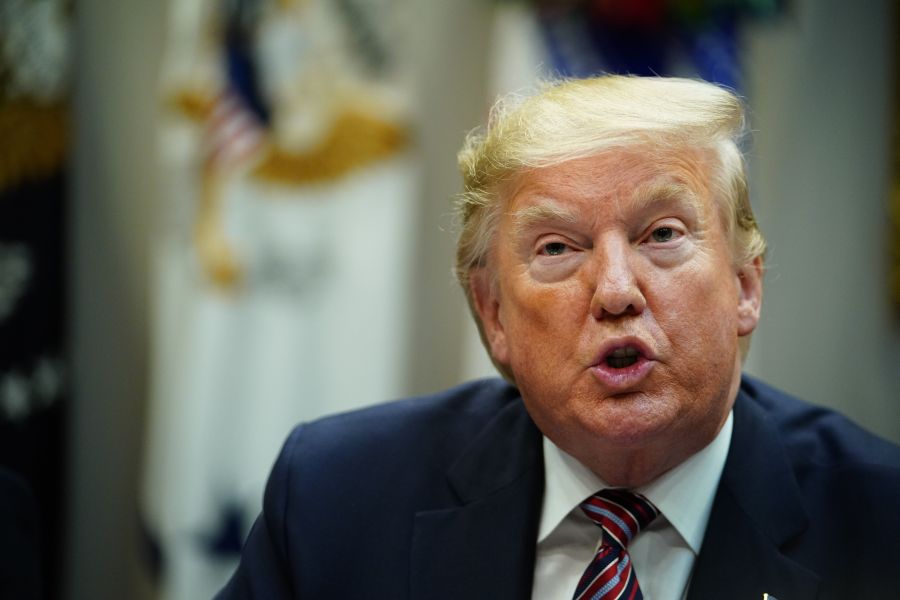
x: 617, y: 291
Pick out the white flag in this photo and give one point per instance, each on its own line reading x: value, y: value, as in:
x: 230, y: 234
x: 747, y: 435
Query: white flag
x: 283, y: 270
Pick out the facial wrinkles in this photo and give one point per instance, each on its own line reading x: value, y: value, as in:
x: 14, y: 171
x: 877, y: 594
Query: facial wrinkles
x: 527, y: 218
x: 634, y: 202
x: 691, y: 167
x: 635, y: 182
x: 679, y: 192
x: 553, y: 337
x: 636, y: 188
x: 699, y: 166
x: 616, y: 184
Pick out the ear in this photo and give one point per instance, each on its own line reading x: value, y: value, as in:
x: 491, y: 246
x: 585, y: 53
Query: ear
x: 750, y: 289
x: 486, y: 302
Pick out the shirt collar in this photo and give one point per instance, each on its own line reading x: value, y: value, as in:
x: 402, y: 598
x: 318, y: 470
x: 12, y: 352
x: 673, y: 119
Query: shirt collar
x: 684, y: 494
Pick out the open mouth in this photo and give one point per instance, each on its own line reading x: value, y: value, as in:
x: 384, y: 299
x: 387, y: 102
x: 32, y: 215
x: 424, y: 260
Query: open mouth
x: 623, y: 364
x: 624, y: 357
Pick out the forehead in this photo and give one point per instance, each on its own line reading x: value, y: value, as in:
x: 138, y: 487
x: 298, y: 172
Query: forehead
x: 632, y: 179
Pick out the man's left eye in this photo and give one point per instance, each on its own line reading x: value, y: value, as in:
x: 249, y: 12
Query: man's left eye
x: 554, y: 248
x: 662, y: 234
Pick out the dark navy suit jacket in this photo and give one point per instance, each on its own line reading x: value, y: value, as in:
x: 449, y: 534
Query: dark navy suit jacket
x: 440, y: 497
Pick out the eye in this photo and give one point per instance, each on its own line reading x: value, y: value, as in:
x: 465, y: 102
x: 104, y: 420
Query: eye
x: 662, y: 234
x: 554, y: 248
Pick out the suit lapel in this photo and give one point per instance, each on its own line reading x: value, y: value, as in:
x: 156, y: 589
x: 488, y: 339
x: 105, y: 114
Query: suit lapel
x: 756, y: 513
x: 484, y: 547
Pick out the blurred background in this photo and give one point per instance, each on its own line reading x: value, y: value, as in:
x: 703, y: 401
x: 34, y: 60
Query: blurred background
x: 222, y: 217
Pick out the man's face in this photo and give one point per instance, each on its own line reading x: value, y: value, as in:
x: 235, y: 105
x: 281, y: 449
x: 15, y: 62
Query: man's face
x: 615, y: 304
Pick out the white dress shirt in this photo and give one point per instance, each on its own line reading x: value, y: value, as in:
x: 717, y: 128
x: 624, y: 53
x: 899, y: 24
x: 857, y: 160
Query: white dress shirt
x: 663, y: 554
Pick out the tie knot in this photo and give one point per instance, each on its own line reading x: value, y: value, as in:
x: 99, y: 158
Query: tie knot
x: 621, y: 514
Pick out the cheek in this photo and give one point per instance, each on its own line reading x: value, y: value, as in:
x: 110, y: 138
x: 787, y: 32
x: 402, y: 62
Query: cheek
x: 542, y: 323
x: 699, y: 310
x: 532, y: 307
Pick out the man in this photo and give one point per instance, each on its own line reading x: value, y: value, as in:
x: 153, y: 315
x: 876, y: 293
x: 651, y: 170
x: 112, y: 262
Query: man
x: 614, y: 266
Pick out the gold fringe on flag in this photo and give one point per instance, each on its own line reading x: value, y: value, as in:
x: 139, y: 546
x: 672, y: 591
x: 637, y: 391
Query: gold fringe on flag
x: 355, y: 140
x: 34, y: 141
x: 194, y: 105
x: 214, y: 250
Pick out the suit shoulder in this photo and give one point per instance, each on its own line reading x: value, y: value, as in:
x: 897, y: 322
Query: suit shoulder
x: 472, y: 401
x: 821, y: 435
x: 436, y: 423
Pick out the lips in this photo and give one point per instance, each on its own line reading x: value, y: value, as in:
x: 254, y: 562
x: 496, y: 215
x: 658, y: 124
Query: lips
x: 623, y: 363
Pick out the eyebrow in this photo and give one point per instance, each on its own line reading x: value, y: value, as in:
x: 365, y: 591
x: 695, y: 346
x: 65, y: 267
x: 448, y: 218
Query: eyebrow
x: 645, y: 197
x: 544, y: 213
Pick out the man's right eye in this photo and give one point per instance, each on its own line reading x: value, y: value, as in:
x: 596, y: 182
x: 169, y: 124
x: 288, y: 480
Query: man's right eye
x: 554, y: 249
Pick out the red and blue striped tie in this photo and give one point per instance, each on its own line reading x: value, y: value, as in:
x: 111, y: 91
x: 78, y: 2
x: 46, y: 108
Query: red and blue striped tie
x: 621, y: 514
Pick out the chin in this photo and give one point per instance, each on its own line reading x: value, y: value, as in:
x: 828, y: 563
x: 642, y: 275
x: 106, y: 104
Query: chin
x: 633, y: 420
x: 627, y: 435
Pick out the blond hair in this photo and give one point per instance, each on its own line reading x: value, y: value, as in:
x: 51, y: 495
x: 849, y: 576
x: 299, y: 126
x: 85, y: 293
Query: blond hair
x: 571, y: 119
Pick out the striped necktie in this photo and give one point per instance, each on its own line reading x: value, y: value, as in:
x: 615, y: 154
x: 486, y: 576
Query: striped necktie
x: 621, y: 514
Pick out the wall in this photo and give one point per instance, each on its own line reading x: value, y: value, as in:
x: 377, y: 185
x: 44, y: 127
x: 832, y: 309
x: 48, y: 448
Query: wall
x: 111, y: 202
x: 819, y: 89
